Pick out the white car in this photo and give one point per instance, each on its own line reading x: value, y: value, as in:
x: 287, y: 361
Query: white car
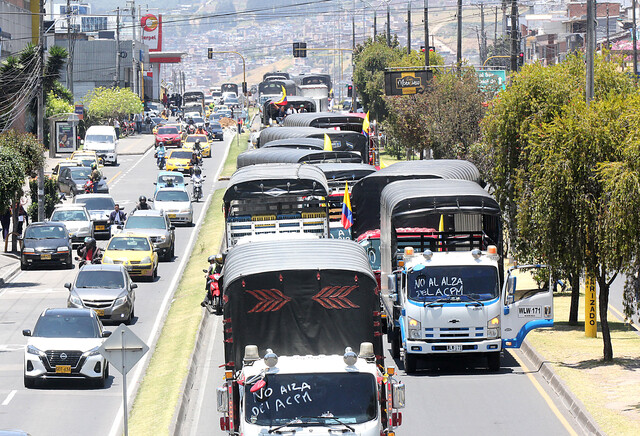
x: 176, y: 203
x: 76, y: 219
x: 64, y: 345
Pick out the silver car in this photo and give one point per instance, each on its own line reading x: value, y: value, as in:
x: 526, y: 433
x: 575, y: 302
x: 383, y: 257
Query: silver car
x: 176, y: 203
x: 107, y: 289
x: 99, y: 207
x: 76, y: 219
x: 156, y: 225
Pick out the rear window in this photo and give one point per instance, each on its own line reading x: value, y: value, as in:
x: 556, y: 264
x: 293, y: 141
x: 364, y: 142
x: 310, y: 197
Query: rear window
x: 97, y: 203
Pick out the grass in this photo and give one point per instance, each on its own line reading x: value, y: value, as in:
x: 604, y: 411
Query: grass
x: 386, y: 159
x: 157, y: 398
x: 609, y: 391
x: 236, y: 147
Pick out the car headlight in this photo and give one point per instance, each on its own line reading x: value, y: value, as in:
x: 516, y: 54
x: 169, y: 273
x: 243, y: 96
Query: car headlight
x: 63, y: 249
x: 493, y: 327
x: 75, y: 300
x: 92, y: 352
x: 33, y: 350
x: 161, y: 238
x: 147, y: 259
x: 84, y: 230
x: 80, y: 185
x: 120, y: 301
x: 107, y: 259
x: 28, y: 250
x: 185, y: 211
x: 414, y: 328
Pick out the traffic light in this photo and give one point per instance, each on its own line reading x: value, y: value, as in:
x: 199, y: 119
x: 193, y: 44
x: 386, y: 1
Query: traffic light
x: 431, y: 48
x: 299, y: 49
x: 210, y: 53
x: 349, y: 90
x: 520, y: 59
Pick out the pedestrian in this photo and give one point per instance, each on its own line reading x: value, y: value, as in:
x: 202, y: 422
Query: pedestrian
x: 138, y: 119
x: 116, y: 126
x: 22, y: 217
x: 5, y: 220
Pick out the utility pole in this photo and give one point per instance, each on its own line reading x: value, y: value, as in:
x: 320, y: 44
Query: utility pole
x: 353, y: 66
x: 591, y: 46
x: 495, y: 29
x: 483, y: 36
x: 426, y: 33
x: 635, y: 43
x: 134, y: 62
x: 117, y: 84
x: 514, y: 35
x: 459, y: 45
x: 40, y: 112
x: 375, y: 24
x: 388, y: 25
x: 69, y: 58
x: 409, y: 28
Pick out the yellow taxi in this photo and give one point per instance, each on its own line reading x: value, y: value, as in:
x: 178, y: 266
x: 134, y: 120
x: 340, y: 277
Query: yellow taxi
x: 205, y: 145
x: 180, y: 159
x: 55, y: 171
x: 155, y: 128
x: 87, y: 157
x: 135, y: 252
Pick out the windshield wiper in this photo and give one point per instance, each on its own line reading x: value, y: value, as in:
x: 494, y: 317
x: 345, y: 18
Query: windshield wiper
x: 439, y: 301
x: 333, y: 418
x: 293, y: 421
x: 475, y: 301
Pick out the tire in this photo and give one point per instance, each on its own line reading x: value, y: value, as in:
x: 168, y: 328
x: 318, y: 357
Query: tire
x: 173, y: 251
x: 395, y: 344
x: 101, y: 382
x: 409, y: 361
x: 493, y: 361
x: 128, y: 320
x: 24, y: 266
x: 29, y: 382
x: 69, y: 263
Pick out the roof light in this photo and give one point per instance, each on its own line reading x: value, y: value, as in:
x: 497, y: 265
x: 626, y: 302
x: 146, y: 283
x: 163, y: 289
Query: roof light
x: 400, y: 263
x: 428, y: 254
x: 350, y: 358
x: 228, y: 374
x: 271, y: 358
x: 251, y: 353
x: 476, y: 253
x: 366, y: 350
x: 391, y: 370
x: 492, y: 249
x: 409, y: 251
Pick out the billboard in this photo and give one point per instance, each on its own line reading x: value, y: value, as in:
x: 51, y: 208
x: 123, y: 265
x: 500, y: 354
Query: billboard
x: 152, y: 31
x: 406, y: 82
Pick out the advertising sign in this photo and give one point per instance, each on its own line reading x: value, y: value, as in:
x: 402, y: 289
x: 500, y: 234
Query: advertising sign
x: 492, y: 80
x: 152, y: 31
x: 65, y: 137
x: 406, y: 82
x: 79, y: 111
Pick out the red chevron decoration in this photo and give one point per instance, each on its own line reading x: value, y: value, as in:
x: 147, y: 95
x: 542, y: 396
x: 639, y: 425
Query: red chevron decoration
x: 269, y: 300
x: 335, y: 297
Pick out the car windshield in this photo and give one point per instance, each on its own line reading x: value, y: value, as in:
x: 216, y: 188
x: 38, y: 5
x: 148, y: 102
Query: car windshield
x: 99, y: 138
x: 197, y: 120
x: 215, y: 126
x: 181, y: 155
x: 129, y: 243
x: 172, y: 196
x: 313, y: 398
x: 194, y: 138
x: 100, y: 279
x: 145, y: 222
x: 170, y: 179
x: 167, y: 131
x: 230, y: 100
x: 453, y: 282
x: 69, y: 215
x: 45, y: 232
x: 81, y: 172
x: 86, y: 160
x: 66, y: 326
x: 97, y: 203
x: 158, y: 120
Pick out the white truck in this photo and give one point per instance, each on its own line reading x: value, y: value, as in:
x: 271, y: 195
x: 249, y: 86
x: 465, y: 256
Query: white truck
x: 102, y: 140
x: 444, y: 293
x: 313, y: 301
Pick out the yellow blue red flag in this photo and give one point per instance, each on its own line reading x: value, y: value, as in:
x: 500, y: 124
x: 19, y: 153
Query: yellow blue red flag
x: 283, y: 100
x: 365, y: 124
x: 347, y: 213
x: 327, y: 143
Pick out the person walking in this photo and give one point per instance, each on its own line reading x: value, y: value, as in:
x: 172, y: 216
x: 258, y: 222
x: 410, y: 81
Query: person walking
x: 138, y: 120
x: 116, y: 126
x: 5, y: 220
x: 23, y: 217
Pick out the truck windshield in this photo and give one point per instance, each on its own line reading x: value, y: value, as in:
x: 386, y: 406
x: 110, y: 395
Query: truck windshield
x: 456, y: 282
x: 314, y: 399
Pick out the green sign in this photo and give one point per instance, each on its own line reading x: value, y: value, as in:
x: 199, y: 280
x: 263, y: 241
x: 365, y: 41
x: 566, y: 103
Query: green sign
x: 492, y: 80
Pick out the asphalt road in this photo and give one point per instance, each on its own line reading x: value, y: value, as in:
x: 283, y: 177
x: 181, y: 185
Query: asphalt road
x: 70, y: 407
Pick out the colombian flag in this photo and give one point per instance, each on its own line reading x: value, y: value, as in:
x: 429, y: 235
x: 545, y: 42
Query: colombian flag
x: 365, y: 124
x: 347, y: 214
x: 283, y: 100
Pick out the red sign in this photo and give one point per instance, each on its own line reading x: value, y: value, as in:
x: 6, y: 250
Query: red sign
x: 152, y: 31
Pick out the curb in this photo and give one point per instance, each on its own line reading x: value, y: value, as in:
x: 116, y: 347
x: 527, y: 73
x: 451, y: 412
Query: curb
x: 11, y: 274
x: 575, y: 407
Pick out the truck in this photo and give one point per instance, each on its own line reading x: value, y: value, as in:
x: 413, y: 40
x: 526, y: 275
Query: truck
x: 446, y: 292
x: 303, y: 344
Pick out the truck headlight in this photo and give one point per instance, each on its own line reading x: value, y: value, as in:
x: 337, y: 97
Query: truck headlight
x: 414, y: 328
x: 493, y: 328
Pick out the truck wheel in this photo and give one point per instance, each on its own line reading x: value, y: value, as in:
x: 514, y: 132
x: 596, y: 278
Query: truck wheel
x: 409, y: 361
x: 493, y: 361
x: 395, y: 344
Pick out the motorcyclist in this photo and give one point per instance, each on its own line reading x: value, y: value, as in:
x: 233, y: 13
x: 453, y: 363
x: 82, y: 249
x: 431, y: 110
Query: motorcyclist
x: 95, y: 177
x: 215, y: 267
x: 89, y: 252
x: 200, y: 131
x: 142, y: 204
x: 117, y: 216
x: 160, y: 154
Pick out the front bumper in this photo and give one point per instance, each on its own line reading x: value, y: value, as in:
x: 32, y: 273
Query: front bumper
x: 180, y: 168
x: 101, y: 228
x: 160, y: 246
x: 78, y: 237
x: 108, y: 156
x: 180, y: 217
x: 106, y: 310
x: 137, y: 269
x: 45, y: 258
x: 37, y: 366
x: 443, y: 347
x: 174, y: 141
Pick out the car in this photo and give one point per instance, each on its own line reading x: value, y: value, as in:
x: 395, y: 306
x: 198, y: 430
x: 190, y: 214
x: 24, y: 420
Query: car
x: 169, y: 179
x: 215, y: 117
x: 99, y: 207
x: 135, y: 252
x: 169, y: 135
x: 232, y: 102
x: 46, y: 243
x: 198, y: 121
x: 64, y: 344
x: 55, y: 171
x: 106, y: 289
x: 180, y: 160
x: 104, y: 142
x: 156, y: 123
x: 76, y: 219
x: 156, y: 225
x: 216, y: 130
x: 71, y: 180
x: 176, y: 203
x: 87, y: 157
x: 226, y: 114
x: 221, y: 108
x: 205, y: 146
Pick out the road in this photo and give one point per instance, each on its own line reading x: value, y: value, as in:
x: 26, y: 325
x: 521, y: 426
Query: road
x: 69, y: 407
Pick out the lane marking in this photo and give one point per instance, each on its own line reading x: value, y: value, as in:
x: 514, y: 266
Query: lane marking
x: 132, y: 167
x: 620, y: 316
x: 9, y: 398
x: 544, y: 395
x: 142, y: 364
x: 114, y: 177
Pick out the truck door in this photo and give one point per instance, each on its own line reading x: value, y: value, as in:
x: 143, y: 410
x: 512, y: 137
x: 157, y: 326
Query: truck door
x: 527, y: 303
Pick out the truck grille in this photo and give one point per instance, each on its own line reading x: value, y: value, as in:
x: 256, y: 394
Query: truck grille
x: 55, y: 357
x: 455, y: 334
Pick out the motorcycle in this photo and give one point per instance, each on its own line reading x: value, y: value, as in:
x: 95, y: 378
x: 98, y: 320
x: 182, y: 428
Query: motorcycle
x: 197, y: 188
x: 97, y: 260
x: 161, y: 160
x: 214, y: 303
x: 88, y: 187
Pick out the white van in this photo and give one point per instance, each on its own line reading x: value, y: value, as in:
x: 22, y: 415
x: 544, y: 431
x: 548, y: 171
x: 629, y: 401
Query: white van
x: 102, y: 140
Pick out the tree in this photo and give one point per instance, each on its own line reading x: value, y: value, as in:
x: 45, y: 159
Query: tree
x: 11, y: 177
x: 51, y: 197
x: 57, y: 105
x: 500, y: 47
x: 104, y: 103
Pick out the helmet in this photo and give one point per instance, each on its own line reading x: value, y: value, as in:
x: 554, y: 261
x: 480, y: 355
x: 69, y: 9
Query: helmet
x: 93, y: 166
x: 197, y: 171
x: 198, y: 141
x: 142, y: 199
x: 90, y: 242
x: 219, y: 258
x: 160, y: 144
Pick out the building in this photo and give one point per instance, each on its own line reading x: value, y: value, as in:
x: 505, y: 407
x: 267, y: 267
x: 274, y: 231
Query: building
x: 16, y: 29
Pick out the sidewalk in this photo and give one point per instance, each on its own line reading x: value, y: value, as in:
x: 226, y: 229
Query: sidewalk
x: 9, y: 266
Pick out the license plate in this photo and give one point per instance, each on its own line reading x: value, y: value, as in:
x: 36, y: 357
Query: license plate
x: 45, y: 256
x: 99, y: 312
x: 63, y: 369
x: 454, y: 348
x: 172, y: 215
x: 99, y: 227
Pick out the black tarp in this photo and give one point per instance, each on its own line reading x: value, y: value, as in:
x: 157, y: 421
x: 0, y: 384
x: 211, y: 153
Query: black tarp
x: 341, y: 172
x: 365, y: 196
x: 292, y: 155
x: 270, y: 110
x: 325, y: 120
x: 342, y: 140
x: 299, y: 297
x: 302, y: 143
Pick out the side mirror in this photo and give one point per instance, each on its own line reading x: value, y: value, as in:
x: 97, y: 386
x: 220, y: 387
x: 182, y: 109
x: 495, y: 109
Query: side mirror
x: 26, y: 332
x: 223, y: 399
x: 104, y: 178
x: 511, y: 289
x: 122, y: 208
x: 155, y: 183
x: 172, y: 228
x: 134, y: 286
x: 119, y: 226
x: 204, y: 270
x: 67, y: 285
x: 106, y: 334
x: 398, y: 395
x: 391, y: 283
